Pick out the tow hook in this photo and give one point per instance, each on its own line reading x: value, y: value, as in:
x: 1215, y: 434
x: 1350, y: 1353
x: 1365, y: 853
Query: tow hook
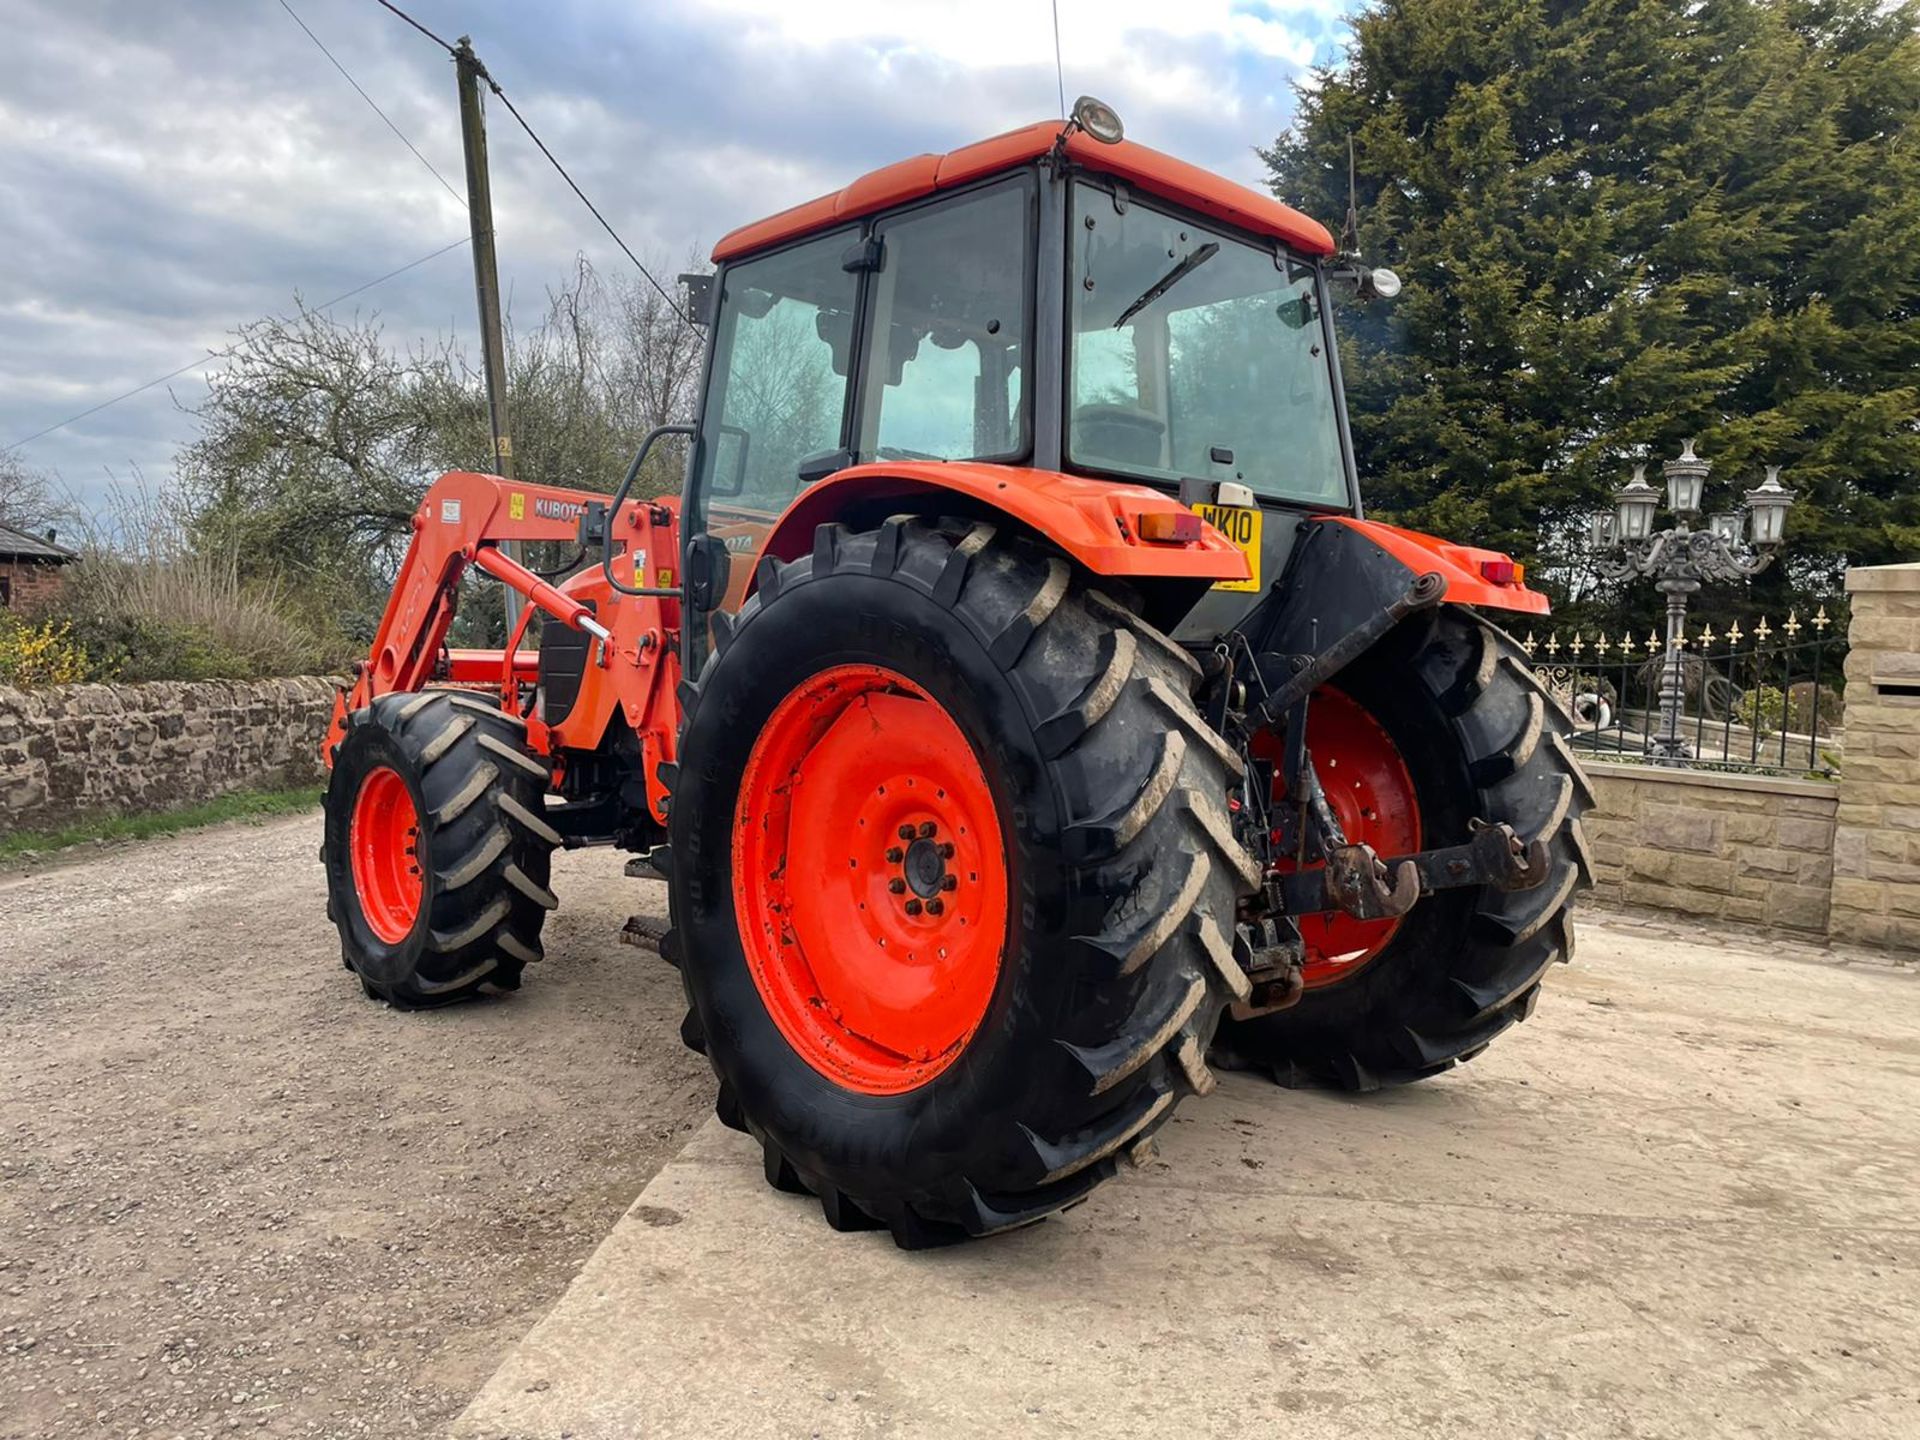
x: 1358, y: 882
x: 1363, y: 885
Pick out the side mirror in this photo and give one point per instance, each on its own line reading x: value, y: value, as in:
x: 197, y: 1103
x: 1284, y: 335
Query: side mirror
x: 709, y: 565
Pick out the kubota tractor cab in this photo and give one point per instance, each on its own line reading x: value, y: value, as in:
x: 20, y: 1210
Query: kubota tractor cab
x: 1020, y: 708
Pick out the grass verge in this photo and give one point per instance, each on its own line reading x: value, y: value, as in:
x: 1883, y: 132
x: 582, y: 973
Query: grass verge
x: 239, y: 805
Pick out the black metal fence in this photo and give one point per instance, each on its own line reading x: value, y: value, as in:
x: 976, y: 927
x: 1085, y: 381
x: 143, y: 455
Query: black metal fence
x: 1760, y: 695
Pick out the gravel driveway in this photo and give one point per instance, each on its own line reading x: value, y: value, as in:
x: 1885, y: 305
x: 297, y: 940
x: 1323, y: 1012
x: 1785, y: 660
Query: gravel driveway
x: 236, y: 1197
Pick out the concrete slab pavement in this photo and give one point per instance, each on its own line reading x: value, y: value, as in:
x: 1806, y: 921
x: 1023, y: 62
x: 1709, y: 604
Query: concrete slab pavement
x: 1679, y: 1202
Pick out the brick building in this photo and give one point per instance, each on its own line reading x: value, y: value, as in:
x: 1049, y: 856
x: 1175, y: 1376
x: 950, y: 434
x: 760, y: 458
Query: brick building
x: 30, y: 568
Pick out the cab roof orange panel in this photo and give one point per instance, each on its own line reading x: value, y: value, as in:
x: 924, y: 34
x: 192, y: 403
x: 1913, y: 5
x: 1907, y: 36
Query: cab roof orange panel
x: 1145, y: 169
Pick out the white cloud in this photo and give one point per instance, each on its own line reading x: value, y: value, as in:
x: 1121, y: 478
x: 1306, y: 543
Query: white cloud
x: 1095, y: 35
x: 168, y: 172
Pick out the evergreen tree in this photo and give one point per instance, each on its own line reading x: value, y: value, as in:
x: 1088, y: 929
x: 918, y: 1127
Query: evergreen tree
x: 1623, y: 223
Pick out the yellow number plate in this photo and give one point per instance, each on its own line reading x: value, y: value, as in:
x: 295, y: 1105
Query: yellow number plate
x: 1241, y: 525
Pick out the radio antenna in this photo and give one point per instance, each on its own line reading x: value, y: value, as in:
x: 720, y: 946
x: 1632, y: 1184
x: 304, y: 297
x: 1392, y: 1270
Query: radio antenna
x: 1059, y: 70
x: 1350, y: 237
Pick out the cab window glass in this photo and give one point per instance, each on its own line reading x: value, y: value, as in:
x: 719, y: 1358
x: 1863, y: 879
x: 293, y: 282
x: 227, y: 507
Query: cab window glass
x: 947, y: 331
x: 780, y: 368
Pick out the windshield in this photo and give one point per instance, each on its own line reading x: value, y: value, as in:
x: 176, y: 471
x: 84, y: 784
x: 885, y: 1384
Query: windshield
x: 1197, y: 354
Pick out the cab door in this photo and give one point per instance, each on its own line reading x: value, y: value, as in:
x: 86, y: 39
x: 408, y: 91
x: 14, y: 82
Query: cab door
x: 778, y: 382
x: 905, y: 339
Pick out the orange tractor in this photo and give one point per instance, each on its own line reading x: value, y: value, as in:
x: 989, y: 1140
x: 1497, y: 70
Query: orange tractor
x: 1023, y: 714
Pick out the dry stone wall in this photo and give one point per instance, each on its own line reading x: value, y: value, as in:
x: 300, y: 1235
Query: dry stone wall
x: 73, y: 751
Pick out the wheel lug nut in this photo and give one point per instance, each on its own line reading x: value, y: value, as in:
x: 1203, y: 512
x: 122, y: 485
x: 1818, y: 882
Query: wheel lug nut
x: 907, y: 832
x: 895, y: 854
x: 951, y: 882
x: 946, y: 850
x: 927, y: 830
x: 934, y: 907
x: 913, y: 906
x: 897, y: 886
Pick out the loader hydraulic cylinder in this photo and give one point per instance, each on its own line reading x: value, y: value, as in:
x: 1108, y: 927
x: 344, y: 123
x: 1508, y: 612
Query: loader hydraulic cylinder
x: 564, y: 608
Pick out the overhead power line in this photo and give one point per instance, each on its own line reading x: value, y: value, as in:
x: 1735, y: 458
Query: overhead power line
x: 398, y: 133
x: 665, y: 294
x: 222, y: 354
x: 348, y: 295
x: 418, y: 26
x: 521, y: 120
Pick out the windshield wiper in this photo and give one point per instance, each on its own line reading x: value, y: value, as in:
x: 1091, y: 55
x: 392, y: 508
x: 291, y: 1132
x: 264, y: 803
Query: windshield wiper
x: 1193, y: 261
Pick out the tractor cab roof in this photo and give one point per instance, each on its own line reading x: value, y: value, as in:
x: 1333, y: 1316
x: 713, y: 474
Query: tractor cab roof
x: 1145, y: 169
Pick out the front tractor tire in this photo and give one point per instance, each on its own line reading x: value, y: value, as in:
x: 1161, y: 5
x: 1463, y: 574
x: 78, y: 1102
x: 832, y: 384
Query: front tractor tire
x: 954, y: 879
x: 1440, y: 727
x: 436, y: 852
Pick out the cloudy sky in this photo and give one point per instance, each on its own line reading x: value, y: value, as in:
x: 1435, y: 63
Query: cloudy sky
x: 170, y: 170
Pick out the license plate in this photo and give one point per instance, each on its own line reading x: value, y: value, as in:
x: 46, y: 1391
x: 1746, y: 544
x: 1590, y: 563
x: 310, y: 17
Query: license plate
x: 1241, y: 525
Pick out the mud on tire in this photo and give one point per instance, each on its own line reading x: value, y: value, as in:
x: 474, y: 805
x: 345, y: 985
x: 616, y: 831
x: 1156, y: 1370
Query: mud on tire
x: 483, y: 848
x: 1482, y: 740
x: 1122, y: 879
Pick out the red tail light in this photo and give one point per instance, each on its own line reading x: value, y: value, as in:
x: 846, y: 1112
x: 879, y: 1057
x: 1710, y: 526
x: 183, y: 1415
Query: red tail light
x: 1170, y: 527
x: 1503, y: 572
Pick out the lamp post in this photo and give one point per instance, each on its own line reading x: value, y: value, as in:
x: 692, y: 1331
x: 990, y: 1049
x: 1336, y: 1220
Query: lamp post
x: 1736, y: 545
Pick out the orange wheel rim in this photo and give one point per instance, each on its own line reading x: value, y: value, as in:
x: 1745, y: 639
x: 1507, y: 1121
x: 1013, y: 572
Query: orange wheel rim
x: 869, y: 879
x: 383, y: 839
x: 1368, y: 786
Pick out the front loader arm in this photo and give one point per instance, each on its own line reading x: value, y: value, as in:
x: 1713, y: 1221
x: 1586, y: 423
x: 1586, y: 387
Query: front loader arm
x: 462, y: 521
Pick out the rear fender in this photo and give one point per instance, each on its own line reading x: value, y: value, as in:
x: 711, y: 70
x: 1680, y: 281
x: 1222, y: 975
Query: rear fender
x: 1097, y: 522
x: 1461, y: 566
x: 1343, y: 570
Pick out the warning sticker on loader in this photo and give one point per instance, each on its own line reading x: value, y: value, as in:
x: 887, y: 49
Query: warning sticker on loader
x: 1241, y: 525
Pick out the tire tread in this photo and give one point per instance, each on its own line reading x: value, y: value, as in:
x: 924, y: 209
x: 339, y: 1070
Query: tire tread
x: 1137, y: 835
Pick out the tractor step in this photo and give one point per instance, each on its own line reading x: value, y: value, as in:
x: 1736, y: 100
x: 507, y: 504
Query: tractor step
x: 651, y: 866
x: 644, y: 931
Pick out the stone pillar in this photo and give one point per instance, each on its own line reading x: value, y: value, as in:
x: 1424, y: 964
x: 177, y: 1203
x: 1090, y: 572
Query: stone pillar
x: 1876, y: 848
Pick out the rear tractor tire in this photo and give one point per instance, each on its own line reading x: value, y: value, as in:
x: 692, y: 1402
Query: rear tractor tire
x: 436, y: 852
x: 1448, y: 708
x: 954, y: 879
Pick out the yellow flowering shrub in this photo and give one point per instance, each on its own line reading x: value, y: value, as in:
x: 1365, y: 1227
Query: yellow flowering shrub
x: 40, y: 654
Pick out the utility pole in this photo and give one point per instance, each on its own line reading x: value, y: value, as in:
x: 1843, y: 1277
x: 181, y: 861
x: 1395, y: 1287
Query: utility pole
x: 486, y: 276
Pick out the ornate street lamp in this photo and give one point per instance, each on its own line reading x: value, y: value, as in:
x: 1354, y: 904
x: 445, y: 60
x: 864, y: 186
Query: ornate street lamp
x: 1736, y: 545
x: 1633, y: 507
x: 1769, y: 502
x: 1686, y: 481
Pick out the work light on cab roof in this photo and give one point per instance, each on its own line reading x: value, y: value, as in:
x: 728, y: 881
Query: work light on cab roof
x: 1099, y: 120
